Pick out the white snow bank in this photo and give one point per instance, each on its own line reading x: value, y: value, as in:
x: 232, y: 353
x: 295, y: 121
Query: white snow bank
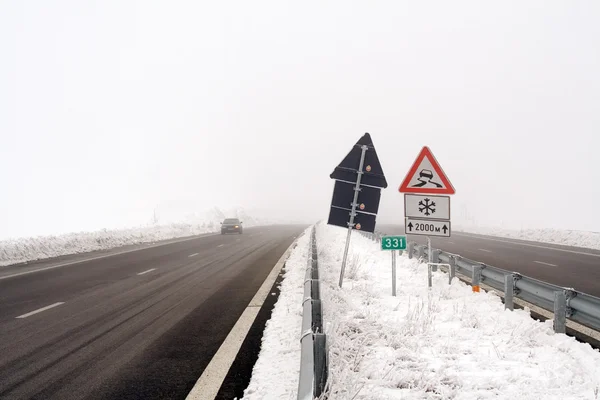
x: 590, y: 240
x: 275, y: 374
x: 444, y: 343
x: 14, y: 251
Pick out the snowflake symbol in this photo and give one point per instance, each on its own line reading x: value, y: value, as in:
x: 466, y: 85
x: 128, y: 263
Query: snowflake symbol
x: 427, y: 207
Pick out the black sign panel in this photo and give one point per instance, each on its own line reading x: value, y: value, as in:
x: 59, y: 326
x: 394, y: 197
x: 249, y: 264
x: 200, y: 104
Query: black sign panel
x: 347, y: 170
x: 341, y: 217
x: 368, y: 197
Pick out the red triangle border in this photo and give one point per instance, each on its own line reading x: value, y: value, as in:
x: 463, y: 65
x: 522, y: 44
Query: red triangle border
x: 425, y: 152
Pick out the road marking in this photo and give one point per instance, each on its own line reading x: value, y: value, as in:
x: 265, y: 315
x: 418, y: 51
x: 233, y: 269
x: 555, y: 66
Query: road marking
x: 39, y: 310
x: 545, y: 263
x: 193, y: 255
x: 451, y: 243
x: 104, y: 256
x: 517, y: 242
x: 487, y: 251
x: 145, y: 272
x: 212, y: 378
x: 221, y: 245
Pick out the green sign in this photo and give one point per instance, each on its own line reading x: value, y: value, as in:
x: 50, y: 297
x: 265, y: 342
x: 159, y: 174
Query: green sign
x: 393, y: 243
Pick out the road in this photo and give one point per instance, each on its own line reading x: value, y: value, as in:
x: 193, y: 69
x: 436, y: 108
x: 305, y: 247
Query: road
x: 142, y: 324
x: 566, y: 266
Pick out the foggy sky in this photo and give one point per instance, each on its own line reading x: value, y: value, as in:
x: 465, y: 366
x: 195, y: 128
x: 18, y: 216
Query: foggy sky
x: 110, y: 109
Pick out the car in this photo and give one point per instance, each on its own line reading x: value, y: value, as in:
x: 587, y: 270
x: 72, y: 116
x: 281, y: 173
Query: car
x: 231, y: 225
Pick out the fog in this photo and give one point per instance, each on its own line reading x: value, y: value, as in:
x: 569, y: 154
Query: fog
x: 111, y: 110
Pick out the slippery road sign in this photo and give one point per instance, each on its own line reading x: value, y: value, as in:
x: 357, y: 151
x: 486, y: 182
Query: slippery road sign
x: 426, y: 176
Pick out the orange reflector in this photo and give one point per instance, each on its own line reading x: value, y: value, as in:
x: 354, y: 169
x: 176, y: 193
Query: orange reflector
x: 476, y: 289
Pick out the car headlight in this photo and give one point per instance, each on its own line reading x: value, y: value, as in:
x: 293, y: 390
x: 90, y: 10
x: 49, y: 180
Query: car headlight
x: 237, y: 226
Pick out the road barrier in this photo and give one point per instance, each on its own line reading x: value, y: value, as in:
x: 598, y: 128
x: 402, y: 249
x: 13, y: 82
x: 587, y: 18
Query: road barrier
x: 313, y: 342
x: 565, y: 303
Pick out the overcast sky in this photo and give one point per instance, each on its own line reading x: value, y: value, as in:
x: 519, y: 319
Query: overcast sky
x: 109, y: 109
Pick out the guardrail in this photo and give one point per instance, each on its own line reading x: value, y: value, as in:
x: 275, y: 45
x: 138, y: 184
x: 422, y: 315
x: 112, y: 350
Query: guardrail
x: 565, y: 303
x: 313, y: 342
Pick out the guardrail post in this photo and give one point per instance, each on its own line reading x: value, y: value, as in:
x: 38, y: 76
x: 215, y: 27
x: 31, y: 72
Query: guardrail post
x: 421, y: 251
x: 560, y: 312
x: 509, y: 291
x: 435, y: 257
x: 409, y: 248
x: 317, y: 316
x: 452, y: 271
x: 476, y: 278
x: 320, y: 356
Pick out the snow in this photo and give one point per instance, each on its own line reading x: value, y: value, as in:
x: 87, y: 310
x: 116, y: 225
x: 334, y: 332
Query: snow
x: 14, y: 251
x: 589, y: 240
x: 275, y: 374
x: 443, y: 343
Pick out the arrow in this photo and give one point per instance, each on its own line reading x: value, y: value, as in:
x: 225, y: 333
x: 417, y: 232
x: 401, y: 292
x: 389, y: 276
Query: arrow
x: 445, y: 228
x: 410, y: 226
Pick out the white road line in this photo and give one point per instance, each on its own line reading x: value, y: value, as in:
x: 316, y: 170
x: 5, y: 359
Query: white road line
x: 487, y: 251
x: 528, y: 244
x: 39, y: 310
x: 212, y: 378
x: 145, y: 272
x: 221, y: 245
x: 100, y: 257
x: 193, y: 255
x: 450, y: 243
x: 545, y: 263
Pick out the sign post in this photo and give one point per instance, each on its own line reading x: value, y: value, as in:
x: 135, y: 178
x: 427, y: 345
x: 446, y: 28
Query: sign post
x: 393, y: 243
x: 359, y: 179
x: 425, y: 211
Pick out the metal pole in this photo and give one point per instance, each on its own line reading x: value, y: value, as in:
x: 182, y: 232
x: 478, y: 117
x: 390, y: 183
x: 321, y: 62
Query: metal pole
x: 429, y: 267
x: 560, y: 312
x: 364, y: 149
x: 429, y: 253
x: 509, y: 291
x: 393, y: 272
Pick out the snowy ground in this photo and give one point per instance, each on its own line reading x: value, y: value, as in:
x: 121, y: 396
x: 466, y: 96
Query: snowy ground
x: 14, y: 251
x: 590, y: 240
x: 444, y: 343
x: 275, y: 374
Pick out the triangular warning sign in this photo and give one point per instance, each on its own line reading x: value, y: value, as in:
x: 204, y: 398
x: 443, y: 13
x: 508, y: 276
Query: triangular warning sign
x: 426, y: 176
x: 347, y: 170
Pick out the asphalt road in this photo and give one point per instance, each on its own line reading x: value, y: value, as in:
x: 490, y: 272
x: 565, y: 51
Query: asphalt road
x: 566, y: 266
x: 142, y: 324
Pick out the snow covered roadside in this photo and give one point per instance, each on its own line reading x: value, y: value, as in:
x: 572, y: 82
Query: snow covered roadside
x: 589, y: 240
x: 447, y: 343
x: 14, y: 251
x: 275, y: 374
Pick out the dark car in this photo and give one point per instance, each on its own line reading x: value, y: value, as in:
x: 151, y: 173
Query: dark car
x: 231, y: 225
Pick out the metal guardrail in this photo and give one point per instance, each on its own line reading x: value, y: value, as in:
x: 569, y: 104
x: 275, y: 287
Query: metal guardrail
x: 565, y: 303
x: 313, y: 342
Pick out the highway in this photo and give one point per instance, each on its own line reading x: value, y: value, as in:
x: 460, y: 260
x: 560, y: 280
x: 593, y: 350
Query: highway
x: 567, y: 266
x: 140, y: 324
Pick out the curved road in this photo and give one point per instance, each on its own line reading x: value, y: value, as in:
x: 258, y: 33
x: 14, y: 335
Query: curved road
x: 142, y: 324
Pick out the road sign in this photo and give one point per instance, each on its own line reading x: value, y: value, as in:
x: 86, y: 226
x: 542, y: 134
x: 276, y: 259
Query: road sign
x: 426, y: 176
x: 362, y: 222
x: 426, y: 206
x: 372, y: 175
x: 426, y: 227
x: 368, y: 197
x: 393, y: 243
x: 359, y: 179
